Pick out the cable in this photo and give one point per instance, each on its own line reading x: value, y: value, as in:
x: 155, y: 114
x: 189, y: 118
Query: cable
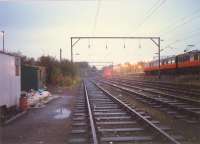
x: 184, y: 21
x: 96, y: 16
x: 151, y: 12
x: 183, y: 39
x: 194, y: 30
x: 191, y: 32
x: 155, y: 4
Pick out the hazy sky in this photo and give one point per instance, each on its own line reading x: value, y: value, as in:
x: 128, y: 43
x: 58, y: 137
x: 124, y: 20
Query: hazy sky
x: 41, y: 28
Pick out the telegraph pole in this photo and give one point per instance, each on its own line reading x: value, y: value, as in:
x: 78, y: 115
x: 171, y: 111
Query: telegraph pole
x: 3, y: 34
x: 60, y: 54
x: 159, y: 58
x: 71, y: 51
x: 72, y: 58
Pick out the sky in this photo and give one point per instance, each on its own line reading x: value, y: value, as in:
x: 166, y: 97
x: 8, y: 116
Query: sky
x: 37, y: 28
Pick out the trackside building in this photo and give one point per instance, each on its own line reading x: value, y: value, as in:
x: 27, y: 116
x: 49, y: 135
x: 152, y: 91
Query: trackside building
x: 10, y: 80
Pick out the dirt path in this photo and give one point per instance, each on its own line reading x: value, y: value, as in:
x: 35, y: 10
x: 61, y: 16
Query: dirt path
x: 47, y: 125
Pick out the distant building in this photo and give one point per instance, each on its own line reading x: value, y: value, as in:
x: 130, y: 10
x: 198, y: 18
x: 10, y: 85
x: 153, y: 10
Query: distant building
x: 32, y: 77
x: 10, y: 80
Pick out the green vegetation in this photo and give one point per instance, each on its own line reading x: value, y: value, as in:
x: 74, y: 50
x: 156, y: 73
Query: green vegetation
x: 58, y: 73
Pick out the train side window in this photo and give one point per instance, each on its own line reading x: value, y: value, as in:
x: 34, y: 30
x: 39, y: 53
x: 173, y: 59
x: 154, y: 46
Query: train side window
x: 187, y: 58
x: 184, y: 58
x: 173, y: 61
x: 156, y: 63
x: 191, y: 57
x: 181, y: 59
x: 196, y: 57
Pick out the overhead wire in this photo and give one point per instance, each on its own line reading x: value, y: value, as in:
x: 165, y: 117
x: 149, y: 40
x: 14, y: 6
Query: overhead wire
x: 96, y: 16
x: 183, y: 39
x: 178, y: 24
x: 193, y: 31
x: 183, y: 21
x: 151, y: 12
x: 148, y: 11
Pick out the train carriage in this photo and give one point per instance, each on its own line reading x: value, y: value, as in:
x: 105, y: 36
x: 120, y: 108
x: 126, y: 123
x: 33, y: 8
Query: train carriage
x: 188, y: 62
x: 151, y: 67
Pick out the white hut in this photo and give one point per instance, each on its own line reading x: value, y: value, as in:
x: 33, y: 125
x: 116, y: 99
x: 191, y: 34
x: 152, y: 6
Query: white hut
x: 10, y: 80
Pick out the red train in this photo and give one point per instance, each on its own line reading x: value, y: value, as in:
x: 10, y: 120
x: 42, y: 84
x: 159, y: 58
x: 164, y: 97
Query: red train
x: 107, y: 72
x: 188, y: 62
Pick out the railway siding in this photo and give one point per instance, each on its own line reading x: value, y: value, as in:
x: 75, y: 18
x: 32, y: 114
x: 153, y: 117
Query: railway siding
x: 181, y: 107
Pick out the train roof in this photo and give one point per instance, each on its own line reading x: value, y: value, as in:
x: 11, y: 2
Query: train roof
x: 173, y: 56
x: 164, y: 58
x: 190, y: 52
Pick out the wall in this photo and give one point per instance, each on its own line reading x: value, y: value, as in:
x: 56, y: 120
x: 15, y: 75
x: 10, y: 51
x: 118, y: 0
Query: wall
x: 9, y: 82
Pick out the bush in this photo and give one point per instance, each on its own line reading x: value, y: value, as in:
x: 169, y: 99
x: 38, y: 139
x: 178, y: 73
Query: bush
x: 57, y: 73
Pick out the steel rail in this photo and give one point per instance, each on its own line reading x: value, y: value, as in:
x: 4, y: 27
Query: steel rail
x: 128, y: 90
x: 163, y: 86
x: 132, y: 111
x: 161, y: 93
x: 92, y: 125
x: 167, y: 84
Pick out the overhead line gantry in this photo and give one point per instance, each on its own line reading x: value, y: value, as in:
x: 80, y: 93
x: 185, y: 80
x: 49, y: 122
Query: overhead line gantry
x: 155, y: 40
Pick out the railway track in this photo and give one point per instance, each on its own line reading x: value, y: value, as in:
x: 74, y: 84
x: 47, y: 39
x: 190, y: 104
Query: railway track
x: 176, y: 107
x: 167, y: 87
x: 176, y: 94
x: 107, y: 119
x: 80, y: 131
x: 169, y: 84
